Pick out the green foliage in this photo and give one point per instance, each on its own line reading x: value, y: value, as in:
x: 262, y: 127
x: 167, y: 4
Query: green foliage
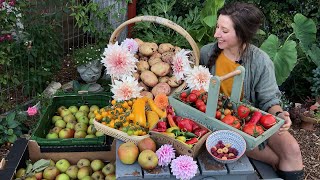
x: 10, y: 129
x: 315, y: 81
x: 87, y: 54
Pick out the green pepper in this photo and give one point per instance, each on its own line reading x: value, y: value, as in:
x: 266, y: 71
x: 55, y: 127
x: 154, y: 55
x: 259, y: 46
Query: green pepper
x: 177, y: 132
x: 189, y: 135
x: 169, y: 130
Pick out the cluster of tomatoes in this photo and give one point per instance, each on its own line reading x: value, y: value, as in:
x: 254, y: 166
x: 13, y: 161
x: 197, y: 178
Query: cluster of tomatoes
x: 196, y: 98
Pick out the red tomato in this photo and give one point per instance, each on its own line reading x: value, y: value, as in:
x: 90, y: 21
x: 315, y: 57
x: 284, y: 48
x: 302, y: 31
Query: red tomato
x: 236, y: 124
x: 267, y: 121
x: 202, y: 108
x: 192, y: 97
x: 243, y: 111
x: 228, y: 119
x: 253, y: 130
x: 196, y: 92
x: 183, y: 95
x: 199, y: 103
x: 218, y: 114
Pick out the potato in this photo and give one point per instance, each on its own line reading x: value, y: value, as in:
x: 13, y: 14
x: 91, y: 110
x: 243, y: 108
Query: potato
x: 136, y: 75
x: 145, y: 87
x: 154, y: 46
x: 167, y: 57
x: 146, y: 94
x: 164, y: 47
x: 153, y: 61
x: 136, y: 56
x: 149, y: 78
x: 177, y: 49
x: 161, y: 88
x: 146, y: 50
x: 139, y: 41
x: 173, y: 82
x: 161, y: 68
x: 163, y: 79
x: 155, y: 55
x: 143, y: 66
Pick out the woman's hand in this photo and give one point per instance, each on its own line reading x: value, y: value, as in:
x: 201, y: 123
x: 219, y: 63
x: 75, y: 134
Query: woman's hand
x: 287, y: 122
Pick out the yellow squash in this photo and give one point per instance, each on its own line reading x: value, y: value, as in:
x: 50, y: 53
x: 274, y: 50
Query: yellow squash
x: 155, y: 108
x: 152, y: 118
x: 139, y: 112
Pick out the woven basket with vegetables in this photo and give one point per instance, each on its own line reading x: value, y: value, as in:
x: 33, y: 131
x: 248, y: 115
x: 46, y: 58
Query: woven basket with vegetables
x: 155, y: 61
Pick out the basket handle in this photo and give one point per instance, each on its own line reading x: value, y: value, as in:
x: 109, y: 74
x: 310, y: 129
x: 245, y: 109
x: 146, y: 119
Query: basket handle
x: 161, y: 21
x: 214, y: 89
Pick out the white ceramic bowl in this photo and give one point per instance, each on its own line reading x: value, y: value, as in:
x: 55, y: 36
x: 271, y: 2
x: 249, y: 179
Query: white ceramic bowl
x: 227, y: 137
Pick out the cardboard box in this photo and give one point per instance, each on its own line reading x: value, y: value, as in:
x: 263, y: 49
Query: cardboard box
x: 23, y: 150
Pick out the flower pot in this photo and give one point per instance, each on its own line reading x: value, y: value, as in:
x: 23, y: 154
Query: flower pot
x: 90, y: 73
x: 307, y: 123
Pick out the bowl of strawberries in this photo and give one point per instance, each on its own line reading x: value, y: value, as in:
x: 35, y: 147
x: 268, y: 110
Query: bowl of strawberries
x: 225, y: 146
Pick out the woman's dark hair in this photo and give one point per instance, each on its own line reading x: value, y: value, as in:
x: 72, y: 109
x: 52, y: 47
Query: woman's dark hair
x: 246, y: 19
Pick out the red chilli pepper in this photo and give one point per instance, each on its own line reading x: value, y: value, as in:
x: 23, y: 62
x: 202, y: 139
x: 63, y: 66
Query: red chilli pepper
x: 192, y: 141
x: 185, y: 125
x: 255, y: 117
x: 162, y: 125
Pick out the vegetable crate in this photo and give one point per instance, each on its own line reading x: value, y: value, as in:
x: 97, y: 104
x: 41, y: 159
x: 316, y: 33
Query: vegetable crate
x: 165, y: 53
x: 208, y: 119
x: 69, y: 99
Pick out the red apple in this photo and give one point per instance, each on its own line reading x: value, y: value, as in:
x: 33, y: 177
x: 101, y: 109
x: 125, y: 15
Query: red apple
x: 51, y: 173
x: 128, y: 153
x: 147, y: 143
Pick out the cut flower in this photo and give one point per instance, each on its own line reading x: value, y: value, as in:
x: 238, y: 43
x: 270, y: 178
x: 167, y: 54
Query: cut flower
x: 131, y: 45
x: 198, y: 78
x: 118, y: 61
x: 181, y: 64
x: 165, y: 154
x: 184, y: 167
x: 126, y: 89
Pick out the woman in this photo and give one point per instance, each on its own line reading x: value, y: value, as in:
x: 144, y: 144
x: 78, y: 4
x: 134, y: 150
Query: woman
x: 236, y: 25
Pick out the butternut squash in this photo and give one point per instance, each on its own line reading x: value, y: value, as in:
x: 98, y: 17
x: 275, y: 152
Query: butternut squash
x: 155, y: 108
x: 152, y: 118
x: 138, y: 109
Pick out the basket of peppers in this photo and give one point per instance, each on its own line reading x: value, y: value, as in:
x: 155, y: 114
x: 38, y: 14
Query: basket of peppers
x: 184, y: 134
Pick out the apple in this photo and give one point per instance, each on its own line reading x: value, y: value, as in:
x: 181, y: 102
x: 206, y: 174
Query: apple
x: 66, y: 133
x: 87, y: 178
x: 128, y: 153
x: 60, y: 123
x: 65, y: 112
x: 56, y: 130
x: 84, y: 171
x: 71, y: 125
x: 73, y: 109
x: 69, y: 117
x: 31, y: 178
x: 91, y: 129
x: 21, y: 172
x: 83, y: 119
x: 98, y: 133
x: 81, y: 126
x: 94, y: 107
x: 91, y: 120
x: 80, y: 134
x: 148, y: 159
x: 52, y: 163
x: 97, y: 175
x: 55, y: 118
x: 52, y: 135
x: 91, y: 115
x: 96, y: 165
x: 90, y: 136
x: 108, y: 169
x: 110, y: 177
x: 79, y: 114
x: 83, y: 162
x: 62, y: 176
x: 72, y: 171
x: 60, y: 109
x: 84, y: 108
x: 147, y: 143
x: 63, y: 165
x: 50, y: 173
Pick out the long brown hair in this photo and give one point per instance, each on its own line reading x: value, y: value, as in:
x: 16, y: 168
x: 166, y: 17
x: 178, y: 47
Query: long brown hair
x: 246, y: 19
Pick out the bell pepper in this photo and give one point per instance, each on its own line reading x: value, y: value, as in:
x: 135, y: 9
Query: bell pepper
x: 189, y: 135
x: 192, y: 141
x: 195, y: 126
x: 185, y: 125
x: 200, y: 132
x: 161, y: 127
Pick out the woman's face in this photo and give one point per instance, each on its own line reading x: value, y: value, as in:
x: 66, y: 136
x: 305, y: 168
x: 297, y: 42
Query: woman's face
x: 225, y: 33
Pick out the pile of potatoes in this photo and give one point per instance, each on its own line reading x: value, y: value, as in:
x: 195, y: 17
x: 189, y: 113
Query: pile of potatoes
x: 154, y: 71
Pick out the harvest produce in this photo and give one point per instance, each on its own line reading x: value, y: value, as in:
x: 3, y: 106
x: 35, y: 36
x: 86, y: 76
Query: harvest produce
x: 74, y: 122
x: 224, y: 151
x: 62, y: 169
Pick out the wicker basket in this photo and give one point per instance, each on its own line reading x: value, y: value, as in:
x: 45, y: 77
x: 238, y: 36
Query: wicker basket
x: 118, y: 134
x: 169, y: 24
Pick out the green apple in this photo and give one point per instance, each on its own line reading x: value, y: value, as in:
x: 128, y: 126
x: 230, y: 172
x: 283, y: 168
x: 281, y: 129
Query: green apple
x: 73, y: 109
x: 81, y: 126
x: 52, y: 135
x: 83, y: 162
x: 60, y: 123
x: 55, y: 118
x: 31, y: 178
x: 66, y: 133
x: 90, y: 136
x: 52, y: 163
x: 71, y: 125
x: 91, y: 115
x: 91, y: 129
x: 65, y: 112
x: 79, y: 114
x: 108, y: 169
x: 94, y: 107
x: 91, y: 120
x: 83, y: 119
x: 110, y: 177
x: 96, y: 165
x: 21, y: 172
x: 80, y: 134
x: 98, y: 133
x: 51, y: 173
x: 62, y: 176
x: 84, y: 171
x: 148, y: 159
x: 87, y: 178
x: 60, y: 109
x: 63, y: 165
x: 56, y: 129
x: 97, y: 175
x: 69, y: 117
x: 72, y: 171
x: 84, y: 108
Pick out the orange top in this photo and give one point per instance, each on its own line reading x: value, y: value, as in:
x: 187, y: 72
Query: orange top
x: 224, y: 66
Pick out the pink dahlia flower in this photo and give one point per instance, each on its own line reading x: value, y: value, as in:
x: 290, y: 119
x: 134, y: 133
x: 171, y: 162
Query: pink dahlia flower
x: 180, y: 64
x: 126, y: 89
x: 32, y: 111
x: 184, y: 167
x: 165, y: 154
x: 131, y: 45
x: 198, y: 78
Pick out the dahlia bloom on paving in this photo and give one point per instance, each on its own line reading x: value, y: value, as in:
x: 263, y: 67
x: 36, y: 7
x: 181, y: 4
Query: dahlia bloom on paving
x: 184, y: 167
x: 126, y: 89
x: 32, y: 111
x: 198, y: 78
x: 181, y: 64
x: 165, y: 154
x: 131, y: 45
x: 118, y: 61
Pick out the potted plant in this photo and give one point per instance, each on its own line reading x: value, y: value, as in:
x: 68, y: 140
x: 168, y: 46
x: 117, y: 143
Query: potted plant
x: 87, y: 60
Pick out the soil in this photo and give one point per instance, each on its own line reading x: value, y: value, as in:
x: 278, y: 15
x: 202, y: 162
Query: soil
x: 309, y: 141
